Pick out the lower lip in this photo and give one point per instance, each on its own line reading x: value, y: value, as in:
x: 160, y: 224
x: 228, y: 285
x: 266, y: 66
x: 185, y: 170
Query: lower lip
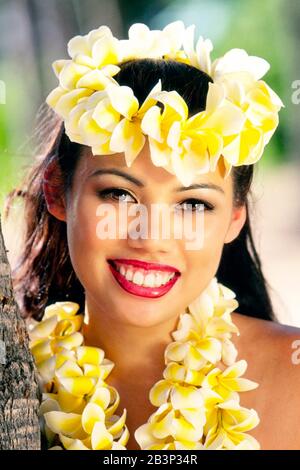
x: 142, y: 291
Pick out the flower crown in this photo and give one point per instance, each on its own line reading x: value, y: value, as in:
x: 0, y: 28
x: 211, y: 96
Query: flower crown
x: 241, y: 112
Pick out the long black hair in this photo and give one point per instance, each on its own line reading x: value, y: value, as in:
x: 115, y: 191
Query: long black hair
x: 44, y: 273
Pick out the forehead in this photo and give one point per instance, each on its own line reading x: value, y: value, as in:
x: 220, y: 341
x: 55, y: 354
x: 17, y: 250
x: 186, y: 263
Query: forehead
x: 143, y: 169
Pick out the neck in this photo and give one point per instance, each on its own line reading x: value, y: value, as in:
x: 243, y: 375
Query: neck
x: 136, y: 351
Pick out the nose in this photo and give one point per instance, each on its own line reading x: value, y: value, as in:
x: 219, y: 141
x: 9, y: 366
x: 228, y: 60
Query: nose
x: 151, y: 229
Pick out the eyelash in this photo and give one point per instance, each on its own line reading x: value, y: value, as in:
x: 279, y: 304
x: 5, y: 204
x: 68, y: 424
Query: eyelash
x: 105, y: 194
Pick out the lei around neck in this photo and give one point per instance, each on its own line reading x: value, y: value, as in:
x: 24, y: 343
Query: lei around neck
x: 198, y: 403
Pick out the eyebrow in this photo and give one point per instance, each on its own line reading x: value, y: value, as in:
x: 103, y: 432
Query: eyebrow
x: 140, y: 184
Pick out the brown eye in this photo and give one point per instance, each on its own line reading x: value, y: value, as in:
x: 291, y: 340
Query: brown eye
x: 197, y: 205
x: 115, y: 194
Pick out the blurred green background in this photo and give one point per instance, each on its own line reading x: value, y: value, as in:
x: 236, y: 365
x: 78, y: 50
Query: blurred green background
x: 34, y: 33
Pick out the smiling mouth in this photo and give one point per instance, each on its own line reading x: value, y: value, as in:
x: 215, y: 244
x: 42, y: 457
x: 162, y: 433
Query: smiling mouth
x: 145, y: 283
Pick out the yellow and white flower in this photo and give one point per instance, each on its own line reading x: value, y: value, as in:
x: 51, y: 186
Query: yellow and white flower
x: 226, y: 382
x: 143, y: 42
x: 228, y: 421
x: 241, y: 112
x: 191, y: 146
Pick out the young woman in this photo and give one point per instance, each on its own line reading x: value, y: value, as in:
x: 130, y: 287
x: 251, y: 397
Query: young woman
x: 65, y: 260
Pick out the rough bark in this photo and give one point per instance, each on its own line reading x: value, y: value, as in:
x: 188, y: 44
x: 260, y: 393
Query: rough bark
x: 19, y: 392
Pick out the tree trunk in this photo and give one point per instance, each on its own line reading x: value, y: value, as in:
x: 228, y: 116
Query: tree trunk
x: 19, y: 391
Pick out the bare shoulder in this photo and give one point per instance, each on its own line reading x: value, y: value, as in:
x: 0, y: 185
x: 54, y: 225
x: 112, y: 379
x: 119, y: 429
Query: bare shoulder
x: 270, y: 339
x: 272, y: 351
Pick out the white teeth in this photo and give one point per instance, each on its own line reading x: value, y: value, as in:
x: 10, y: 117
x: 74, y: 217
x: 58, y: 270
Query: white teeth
x: 158, y: 280
x: 165, y: 277
x: 122, y: 270
x: 138, y: 278
x: 149, y: 280
x: 143, y: 278
x: 129, y: 274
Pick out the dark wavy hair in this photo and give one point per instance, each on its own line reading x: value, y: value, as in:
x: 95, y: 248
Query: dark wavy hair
x: 44, y: 273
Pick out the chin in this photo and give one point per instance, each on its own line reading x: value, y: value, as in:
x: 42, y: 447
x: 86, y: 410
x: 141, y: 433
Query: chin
x: 141, y: 316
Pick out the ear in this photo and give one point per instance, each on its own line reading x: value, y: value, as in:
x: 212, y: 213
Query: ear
x: 239, y: 216
x: 53, y: 191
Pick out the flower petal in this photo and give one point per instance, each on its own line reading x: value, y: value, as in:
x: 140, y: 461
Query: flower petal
x: 117, y: 423
x: 128, y: 138
x: 66, y: 423
x: 92, y: 413
x: 89, y: 355
x: 101, y: 438
x: 123, y: 100
x: 159, y: 393
x: 186, y: 397
x: 78, y: 386
x: 143, y: 436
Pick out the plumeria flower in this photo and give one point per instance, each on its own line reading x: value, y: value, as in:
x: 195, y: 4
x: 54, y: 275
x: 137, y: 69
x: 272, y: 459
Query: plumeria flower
x: 96, y: 49
x: 127, y: 135
x: 212, y: 311
x: 214, y: 303
x: 201, y: 332
x: 176, y: 375
x: 89, y: 430
x: 182, y: 419
x: 77, y: 379
x: 82, y: 128
x: 64, y: 101
x: 143, y: 42
x: 78, y: 384
x: 236, y: 61
x: 52, y: 339
x: 182, y: 373
x: 175, y: 32
x: 240, y: 74
x: 228, y: 381
x: 193, y: 145
x: 91, y: 68
x: 198, y: 56
x: 260, y: 106
x: 196, y: 352
x: 233, y: 422
x: 93, y: 55
x: 109, y: 121
x: 206, y: 132
x: 157, y: 125
x: 76, y: 83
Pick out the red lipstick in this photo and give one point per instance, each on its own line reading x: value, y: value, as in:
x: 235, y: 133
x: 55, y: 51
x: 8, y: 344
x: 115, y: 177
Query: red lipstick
x: 146, y: 265
x: 143, y: 291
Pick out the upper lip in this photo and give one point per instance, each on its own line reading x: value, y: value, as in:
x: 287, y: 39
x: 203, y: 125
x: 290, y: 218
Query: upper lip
x: 146, y: 265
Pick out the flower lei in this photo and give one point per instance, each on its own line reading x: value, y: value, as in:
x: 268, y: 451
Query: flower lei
x: 241, y: 112
x: 198, y: 403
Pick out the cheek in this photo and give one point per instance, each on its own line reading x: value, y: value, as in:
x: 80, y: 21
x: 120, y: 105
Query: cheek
x: 215, y: 229
x: 87, y: 250
x: 82, y: 224
x: 204, y: 262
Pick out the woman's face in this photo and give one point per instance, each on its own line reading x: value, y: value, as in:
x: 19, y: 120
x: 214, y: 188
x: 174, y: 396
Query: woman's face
x: 154, y: 186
